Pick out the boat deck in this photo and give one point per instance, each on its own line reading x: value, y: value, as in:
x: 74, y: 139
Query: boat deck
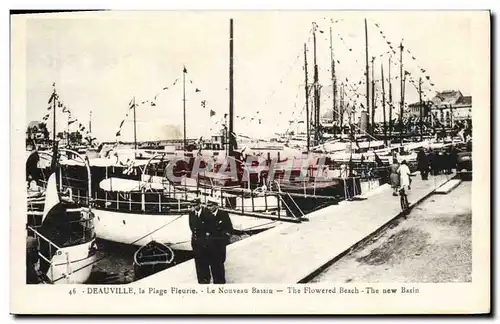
x: 293, y: 253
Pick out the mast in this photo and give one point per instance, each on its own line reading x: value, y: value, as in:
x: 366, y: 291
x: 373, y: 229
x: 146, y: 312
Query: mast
x: 390, y: 99
x: 342, y: 108
x: 334, y: 81
x: 54, y: 160
x: 135, y: 131
x: 372, y: 128
x: 421, y: 108
x: 231, y: 93
x: 401, y: 104
x: 316, y: 93
x: 67, y: 132
x: 307, y: 99
x: 383, y: 103
x: 349, y: 119
x: 366, y: 72
x: 184, y: 104
x: 90, y: 122
x: 54, y: 99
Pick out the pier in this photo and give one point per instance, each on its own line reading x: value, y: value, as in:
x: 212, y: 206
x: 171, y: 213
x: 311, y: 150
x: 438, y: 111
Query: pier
x: 296, y: 253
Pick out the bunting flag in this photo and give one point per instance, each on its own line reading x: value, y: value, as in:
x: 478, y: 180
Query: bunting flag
x: 53, y: 96
x: 343, y: 41
x: 203, y: 103
x: 197, y: 90
x: 71, y: 121
x: 212, y: 113
x: 46, y: 117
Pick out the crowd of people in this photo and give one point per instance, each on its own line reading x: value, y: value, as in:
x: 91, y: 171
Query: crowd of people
x: 429, y: 161
x: 437, y: 162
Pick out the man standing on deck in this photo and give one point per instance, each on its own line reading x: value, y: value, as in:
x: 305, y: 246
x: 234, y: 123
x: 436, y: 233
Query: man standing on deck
x: 210, y: 235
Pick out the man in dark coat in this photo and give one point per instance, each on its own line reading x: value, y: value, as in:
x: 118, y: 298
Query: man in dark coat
x: 211, y: 229
x: 432, y: 157
x: 423, y: 164
x: 221, y: 229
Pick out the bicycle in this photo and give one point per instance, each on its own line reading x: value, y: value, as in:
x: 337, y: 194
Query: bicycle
x: 403, y: 198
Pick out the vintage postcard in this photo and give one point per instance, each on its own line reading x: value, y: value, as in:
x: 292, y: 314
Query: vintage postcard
x: 264, y: 162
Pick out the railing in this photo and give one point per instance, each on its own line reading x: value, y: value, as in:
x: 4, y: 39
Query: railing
x: 78, y: 231
x: 176, y: 199
x: 48, y: 259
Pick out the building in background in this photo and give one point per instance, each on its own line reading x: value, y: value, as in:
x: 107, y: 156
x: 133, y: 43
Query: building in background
x: 413, y: 110
x: 37, y: 131
x: 450, y: 106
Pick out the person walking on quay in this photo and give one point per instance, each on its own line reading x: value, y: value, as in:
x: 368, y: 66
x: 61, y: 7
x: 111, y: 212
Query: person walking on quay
x: 210, y: 229
x: 423, y: 164
x: 394, y: 176
x: 404, y: 177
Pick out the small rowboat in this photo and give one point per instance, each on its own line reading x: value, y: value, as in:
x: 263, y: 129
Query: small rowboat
x: 152, y: 258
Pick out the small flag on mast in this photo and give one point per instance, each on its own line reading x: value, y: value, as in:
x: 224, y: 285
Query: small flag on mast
x: 185, y: 70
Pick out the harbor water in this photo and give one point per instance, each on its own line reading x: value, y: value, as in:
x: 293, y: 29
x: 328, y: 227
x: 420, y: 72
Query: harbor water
x: 115, y: 262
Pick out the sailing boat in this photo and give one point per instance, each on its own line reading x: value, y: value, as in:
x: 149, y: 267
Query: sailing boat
x: 149, y: 207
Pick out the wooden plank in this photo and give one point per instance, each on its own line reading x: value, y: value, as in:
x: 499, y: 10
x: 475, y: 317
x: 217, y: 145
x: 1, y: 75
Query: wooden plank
x: 448, y: 186
x: 291, y: 252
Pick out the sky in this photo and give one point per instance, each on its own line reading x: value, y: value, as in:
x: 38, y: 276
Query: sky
x: 100, y: 61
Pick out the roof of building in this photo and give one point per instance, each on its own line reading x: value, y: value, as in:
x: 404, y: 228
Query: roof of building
x: 465, y: 100
x: 35, y: 123
x: 447, y: 97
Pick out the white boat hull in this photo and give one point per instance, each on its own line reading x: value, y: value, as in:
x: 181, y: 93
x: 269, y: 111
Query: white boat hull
x: 172, y: 230
x: 79, y: 266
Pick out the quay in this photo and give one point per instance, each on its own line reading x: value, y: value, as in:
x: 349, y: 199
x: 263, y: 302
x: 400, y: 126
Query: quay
x: 296, y: 253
